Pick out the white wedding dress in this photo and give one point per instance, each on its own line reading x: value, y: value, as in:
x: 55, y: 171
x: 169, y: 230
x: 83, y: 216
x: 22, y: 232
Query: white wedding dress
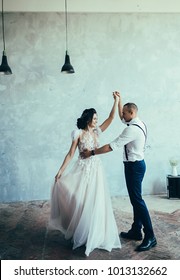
x: 80, y: 201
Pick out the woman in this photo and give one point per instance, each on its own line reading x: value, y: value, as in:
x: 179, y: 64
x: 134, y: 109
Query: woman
x: 80, y: 202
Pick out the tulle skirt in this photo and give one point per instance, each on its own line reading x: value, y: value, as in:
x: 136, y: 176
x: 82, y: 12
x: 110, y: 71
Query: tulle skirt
x: 81, y: 207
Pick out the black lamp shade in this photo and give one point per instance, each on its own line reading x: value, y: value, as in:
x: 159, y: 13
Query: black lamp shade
x: 67, y: 67
x: 4, y: 67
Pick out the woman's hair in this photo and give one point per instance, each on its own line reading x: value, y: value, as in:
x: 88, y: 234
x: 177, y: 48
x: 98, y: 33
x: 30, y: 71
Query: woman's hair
x: 85, y: 118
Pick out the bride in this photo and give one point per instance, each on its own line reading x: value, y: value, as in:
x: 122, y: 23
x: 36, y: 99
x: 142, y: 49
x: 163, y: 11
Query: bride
x: 80, y: 201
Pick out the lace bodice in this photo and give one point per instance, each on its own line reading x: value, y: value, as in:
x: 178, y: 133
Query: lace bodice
x: 87, y: 140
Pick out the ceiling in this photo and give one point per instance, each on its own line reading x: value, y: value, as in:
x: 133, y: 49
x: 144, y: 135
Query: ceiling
x: 127, y: 6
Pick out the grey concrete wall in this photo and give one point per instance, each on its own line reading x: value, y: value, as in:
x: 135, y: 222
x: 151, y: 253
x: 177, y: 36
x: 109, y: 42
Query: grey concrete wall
x: 123, y: 6
x: 137, y: 54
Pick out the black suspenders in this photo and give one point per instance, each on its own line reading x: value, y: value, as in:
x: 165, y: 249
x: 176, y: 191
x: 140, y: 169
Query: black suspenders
x: 145, y: 134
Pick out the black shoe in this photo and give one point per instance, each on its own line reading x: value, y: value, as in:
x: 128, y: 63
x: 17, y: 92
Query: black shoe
x: 131, y: 235
x: 147, y: 244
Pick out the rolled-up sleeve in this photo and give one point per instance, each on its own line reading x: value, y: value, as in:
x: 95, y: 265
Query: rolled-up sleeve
x: 117, y: 143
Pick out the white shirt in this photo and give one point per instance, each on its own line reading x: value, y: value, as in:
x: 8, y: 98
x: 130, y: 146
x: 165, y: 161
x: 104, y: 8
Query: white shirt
x: 134, y: 139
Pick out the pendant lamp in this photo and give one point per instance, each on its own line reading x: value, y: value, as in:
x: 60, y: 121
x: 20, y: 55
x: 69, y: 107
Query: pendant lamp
x: 4, y: 67
x: 67, y: 67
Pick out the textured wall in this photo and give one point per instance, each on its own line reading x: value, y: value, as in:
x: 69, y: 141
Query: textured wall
x: 125, y: 6
x: 137, y: 54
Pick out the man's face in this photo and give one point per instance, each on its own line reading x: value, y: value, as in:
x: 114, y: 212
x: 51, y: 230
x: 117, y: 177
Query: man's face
x: 128, y: 116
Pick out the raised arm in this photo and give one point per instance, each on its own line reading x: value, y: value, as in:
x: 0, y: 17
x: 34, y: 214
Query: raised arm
x: 108, y: 121
x: 120, y: 106
x: 67, y: 159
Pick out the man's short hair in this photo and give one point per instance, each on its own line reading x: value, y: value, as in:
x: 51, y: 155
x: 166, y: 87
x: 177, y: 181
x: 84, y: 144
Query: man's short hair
x: 131, y: 107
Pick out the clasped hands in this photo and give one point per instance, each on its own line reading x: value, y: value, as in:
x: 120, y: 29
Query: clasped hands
x: 116, y: 95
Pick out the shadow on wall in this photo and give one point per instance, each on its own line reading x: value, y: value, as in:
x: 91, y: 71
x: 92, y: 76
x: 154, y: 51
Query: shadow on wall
x: 159, y: 186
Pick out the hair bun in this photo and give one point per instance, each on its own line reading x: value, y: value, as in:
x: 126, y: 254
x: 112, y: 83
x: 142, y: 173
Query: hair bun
x: 85, y: 118
x: 80, y: 123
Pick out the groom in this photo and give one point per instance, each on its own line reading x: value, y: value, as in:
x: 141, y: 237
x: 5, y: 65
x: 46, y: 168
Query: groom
x: 133, y: 139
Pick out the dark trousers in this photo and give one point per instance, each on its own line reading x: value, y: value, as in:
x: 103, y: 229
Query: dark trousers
x: 134, y: 174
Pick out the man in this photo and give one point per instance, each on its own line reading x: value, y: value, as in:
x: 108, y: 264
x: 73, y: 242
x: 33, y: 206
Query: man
x: 133, y: 139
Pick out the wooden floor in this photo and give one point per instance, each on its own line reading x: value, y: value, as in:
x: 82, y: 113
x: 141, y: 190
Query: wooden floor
x: 24, y: 235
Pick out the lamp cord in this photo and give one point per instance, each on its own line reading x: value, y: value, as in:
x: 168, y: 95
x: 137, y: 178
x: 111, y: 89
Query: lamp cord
x: 3, y: 26
x: 66, y: 25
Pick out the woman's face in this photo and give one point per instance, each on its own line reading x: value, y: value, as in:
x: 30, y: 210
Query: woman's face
x: 94, y: 121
